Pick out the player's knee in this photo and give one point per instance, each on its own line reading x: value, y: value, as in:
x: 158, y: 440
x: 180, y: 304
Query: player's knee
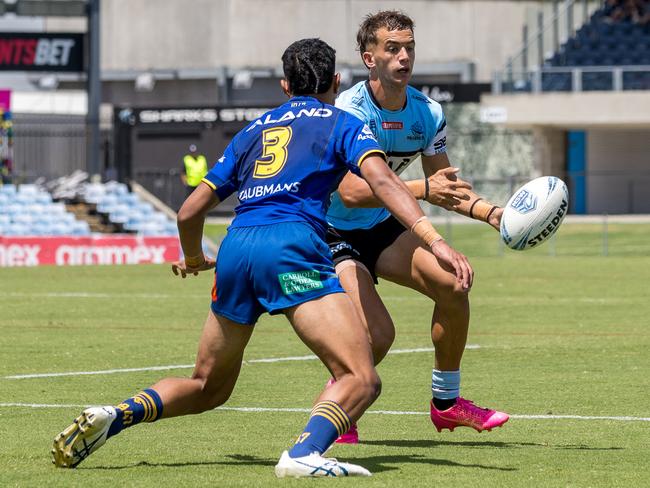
x: 370, y: 385
x: 210, y: 396
x: 449, y: 293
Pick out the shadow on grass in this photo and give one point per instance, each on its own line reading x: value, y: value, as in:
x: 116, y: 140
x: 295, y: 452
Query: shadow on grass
x: 376, y: 464
x: 428, y: 443
x: 235, y: 460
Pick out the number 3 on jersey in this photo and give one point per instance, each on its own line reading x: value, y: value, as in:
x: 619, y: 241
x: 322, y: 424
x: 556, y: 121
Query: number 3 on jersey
x: 274, y: 152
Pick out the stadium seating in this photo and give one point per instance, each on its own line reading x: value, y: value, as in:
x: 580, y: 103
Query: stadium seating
x: 599, y: 43
x: 28, y: 210
x: 126, y: 210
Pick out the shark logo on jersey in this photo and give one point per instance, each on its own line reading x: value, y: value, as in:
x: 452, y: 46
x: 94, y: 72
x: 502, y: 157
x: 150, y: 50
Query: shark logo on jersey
x: 366, y: 133
x: 417, y: 132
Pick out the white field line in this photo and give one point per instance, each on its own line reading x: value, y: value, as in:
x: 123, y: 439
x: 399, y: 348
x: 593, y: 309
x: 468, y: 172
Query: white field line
x: 407, y: 298
x: 369, y: 412
x: 310, y: 357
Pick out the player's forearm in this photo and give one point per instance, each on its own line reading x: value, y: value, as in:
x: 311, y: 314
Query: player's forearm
x: 476, y: 207
x: 392, y: 192
x: 190, y: 232
x: 191, y: 218
x: 360, y: 194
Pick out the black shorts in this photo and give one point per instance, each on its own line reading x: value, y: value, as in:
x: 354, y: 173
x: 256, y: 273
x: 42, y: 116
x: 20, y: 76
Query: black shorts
x: 363, y: 245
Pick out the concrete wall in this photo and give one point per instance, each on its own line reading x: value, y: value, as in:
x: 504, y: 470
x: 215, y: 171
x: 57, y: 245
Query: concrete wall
x: 618, y: 167
x: 207, y: 34
x: 573, y: 110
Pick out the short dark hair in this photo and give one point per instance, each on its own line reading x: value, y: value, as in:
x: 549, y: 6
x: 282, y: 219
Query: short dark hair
x: 390, y: 19
x: 309, y: 66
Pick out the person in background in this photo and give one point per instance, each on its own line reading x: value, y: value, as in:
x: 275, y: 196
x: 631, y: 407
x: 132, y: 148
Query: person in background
x: 195, y: 167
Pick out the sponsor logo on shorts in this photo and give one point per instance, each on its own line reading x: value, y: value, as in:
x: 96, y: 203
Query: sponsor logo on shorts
x: 524, y: 202
x: 300, y: 281
x: 340, y: 247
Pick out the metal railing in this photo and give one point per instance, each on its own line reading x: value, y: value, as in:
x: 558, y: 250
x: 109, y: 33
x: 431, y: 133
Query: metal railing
x: 573, y: 79
x: 551, y: 25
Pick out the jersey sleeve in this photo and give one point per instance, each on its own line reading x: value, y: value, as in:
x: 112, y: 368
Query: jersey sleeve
x: 356, y: 141
x: 438, y: 143
x: 222, y: 178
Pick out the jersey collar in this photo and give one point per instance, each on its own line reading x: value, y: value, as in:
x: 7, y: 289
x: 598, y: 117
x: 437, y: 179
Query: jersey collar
x: 376, y: 103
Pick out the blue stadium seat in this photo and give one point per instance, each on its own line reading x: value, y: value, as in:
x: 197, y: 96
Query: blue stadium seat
x: 8, y: 189
x: 13, y: 209
x: 116, y: 188
x: 130, y: 199
x: 43, y: 198
x: 107, y: 203
x: 80, y: 228
x: 145, y: 208
x: 57, y: 208
x: 23, y: 218
x: 93, y: 192
x: 556, y: 81
x: 15, y: 229
x: 28, y: 189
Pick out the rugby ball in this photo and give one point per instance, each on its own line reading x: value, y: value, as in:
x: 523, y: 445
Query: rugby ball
x: 534, y: 213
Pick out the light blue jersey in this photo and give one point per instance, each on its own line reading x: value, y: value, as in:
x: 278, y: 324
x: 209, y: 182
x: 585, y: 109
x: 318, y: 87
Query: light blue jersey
x: 418, y: 128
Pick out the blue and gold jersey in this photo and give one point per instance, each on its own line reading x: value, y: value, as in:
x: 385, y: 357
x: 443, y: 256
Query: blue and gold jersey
x: 285, y: 164
x: 418, y: 128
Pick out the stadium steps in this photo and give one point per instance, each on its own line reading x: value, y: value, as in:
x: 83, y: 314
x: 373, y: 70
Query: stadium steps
x: 87, y: 212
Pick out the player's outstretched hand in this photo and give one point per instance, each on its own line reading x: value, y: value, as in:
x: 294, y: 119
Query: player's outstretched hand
x: 445, y: 188
x: 448, y: 255
x: 182, y: 269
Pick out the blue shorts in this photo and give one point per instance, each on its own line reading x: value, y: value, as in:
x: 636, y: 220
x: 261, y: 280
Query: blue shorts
x: 269, y: 268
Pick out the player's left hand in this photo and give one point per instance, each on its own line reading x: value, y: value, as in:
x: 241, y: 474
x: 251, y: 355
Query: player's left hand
x: 495, y: 218
x: 446, y: 189
x: 182, y: 269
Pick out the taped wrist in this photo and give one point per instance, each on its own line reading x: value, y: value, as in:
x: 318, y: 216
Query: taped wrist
x: 425, y: 231
x: 420, y: 189
x: 194, y: 261
x: 481, y: 210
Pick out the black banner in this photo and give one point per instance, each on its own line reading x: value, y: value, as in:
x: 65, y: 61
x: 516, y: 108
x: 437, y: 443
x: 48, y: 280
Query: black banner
x: 41, y: 52
x: 453, y: 92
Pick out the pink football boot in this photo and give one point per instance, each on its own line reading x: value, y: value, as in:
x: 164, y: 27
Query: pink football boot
x: 465, y: 413
x: 352, y: 435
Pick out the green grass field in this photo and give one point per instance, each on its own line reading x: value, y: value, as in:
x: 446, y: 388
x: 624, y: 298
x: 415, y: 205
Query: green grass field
x: 561, y: 343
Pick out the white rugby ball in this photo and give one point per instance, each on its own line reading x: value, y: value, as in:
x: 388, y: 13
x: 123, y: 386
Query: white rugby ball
x: 534, y: 213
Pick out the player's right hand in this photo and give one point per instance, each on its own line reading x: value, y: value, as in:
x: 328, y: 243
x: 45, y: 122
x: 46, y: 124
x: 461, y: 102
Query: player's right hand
x: 445, y: 188
x: 448, y: 255
x: 182, y: 269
